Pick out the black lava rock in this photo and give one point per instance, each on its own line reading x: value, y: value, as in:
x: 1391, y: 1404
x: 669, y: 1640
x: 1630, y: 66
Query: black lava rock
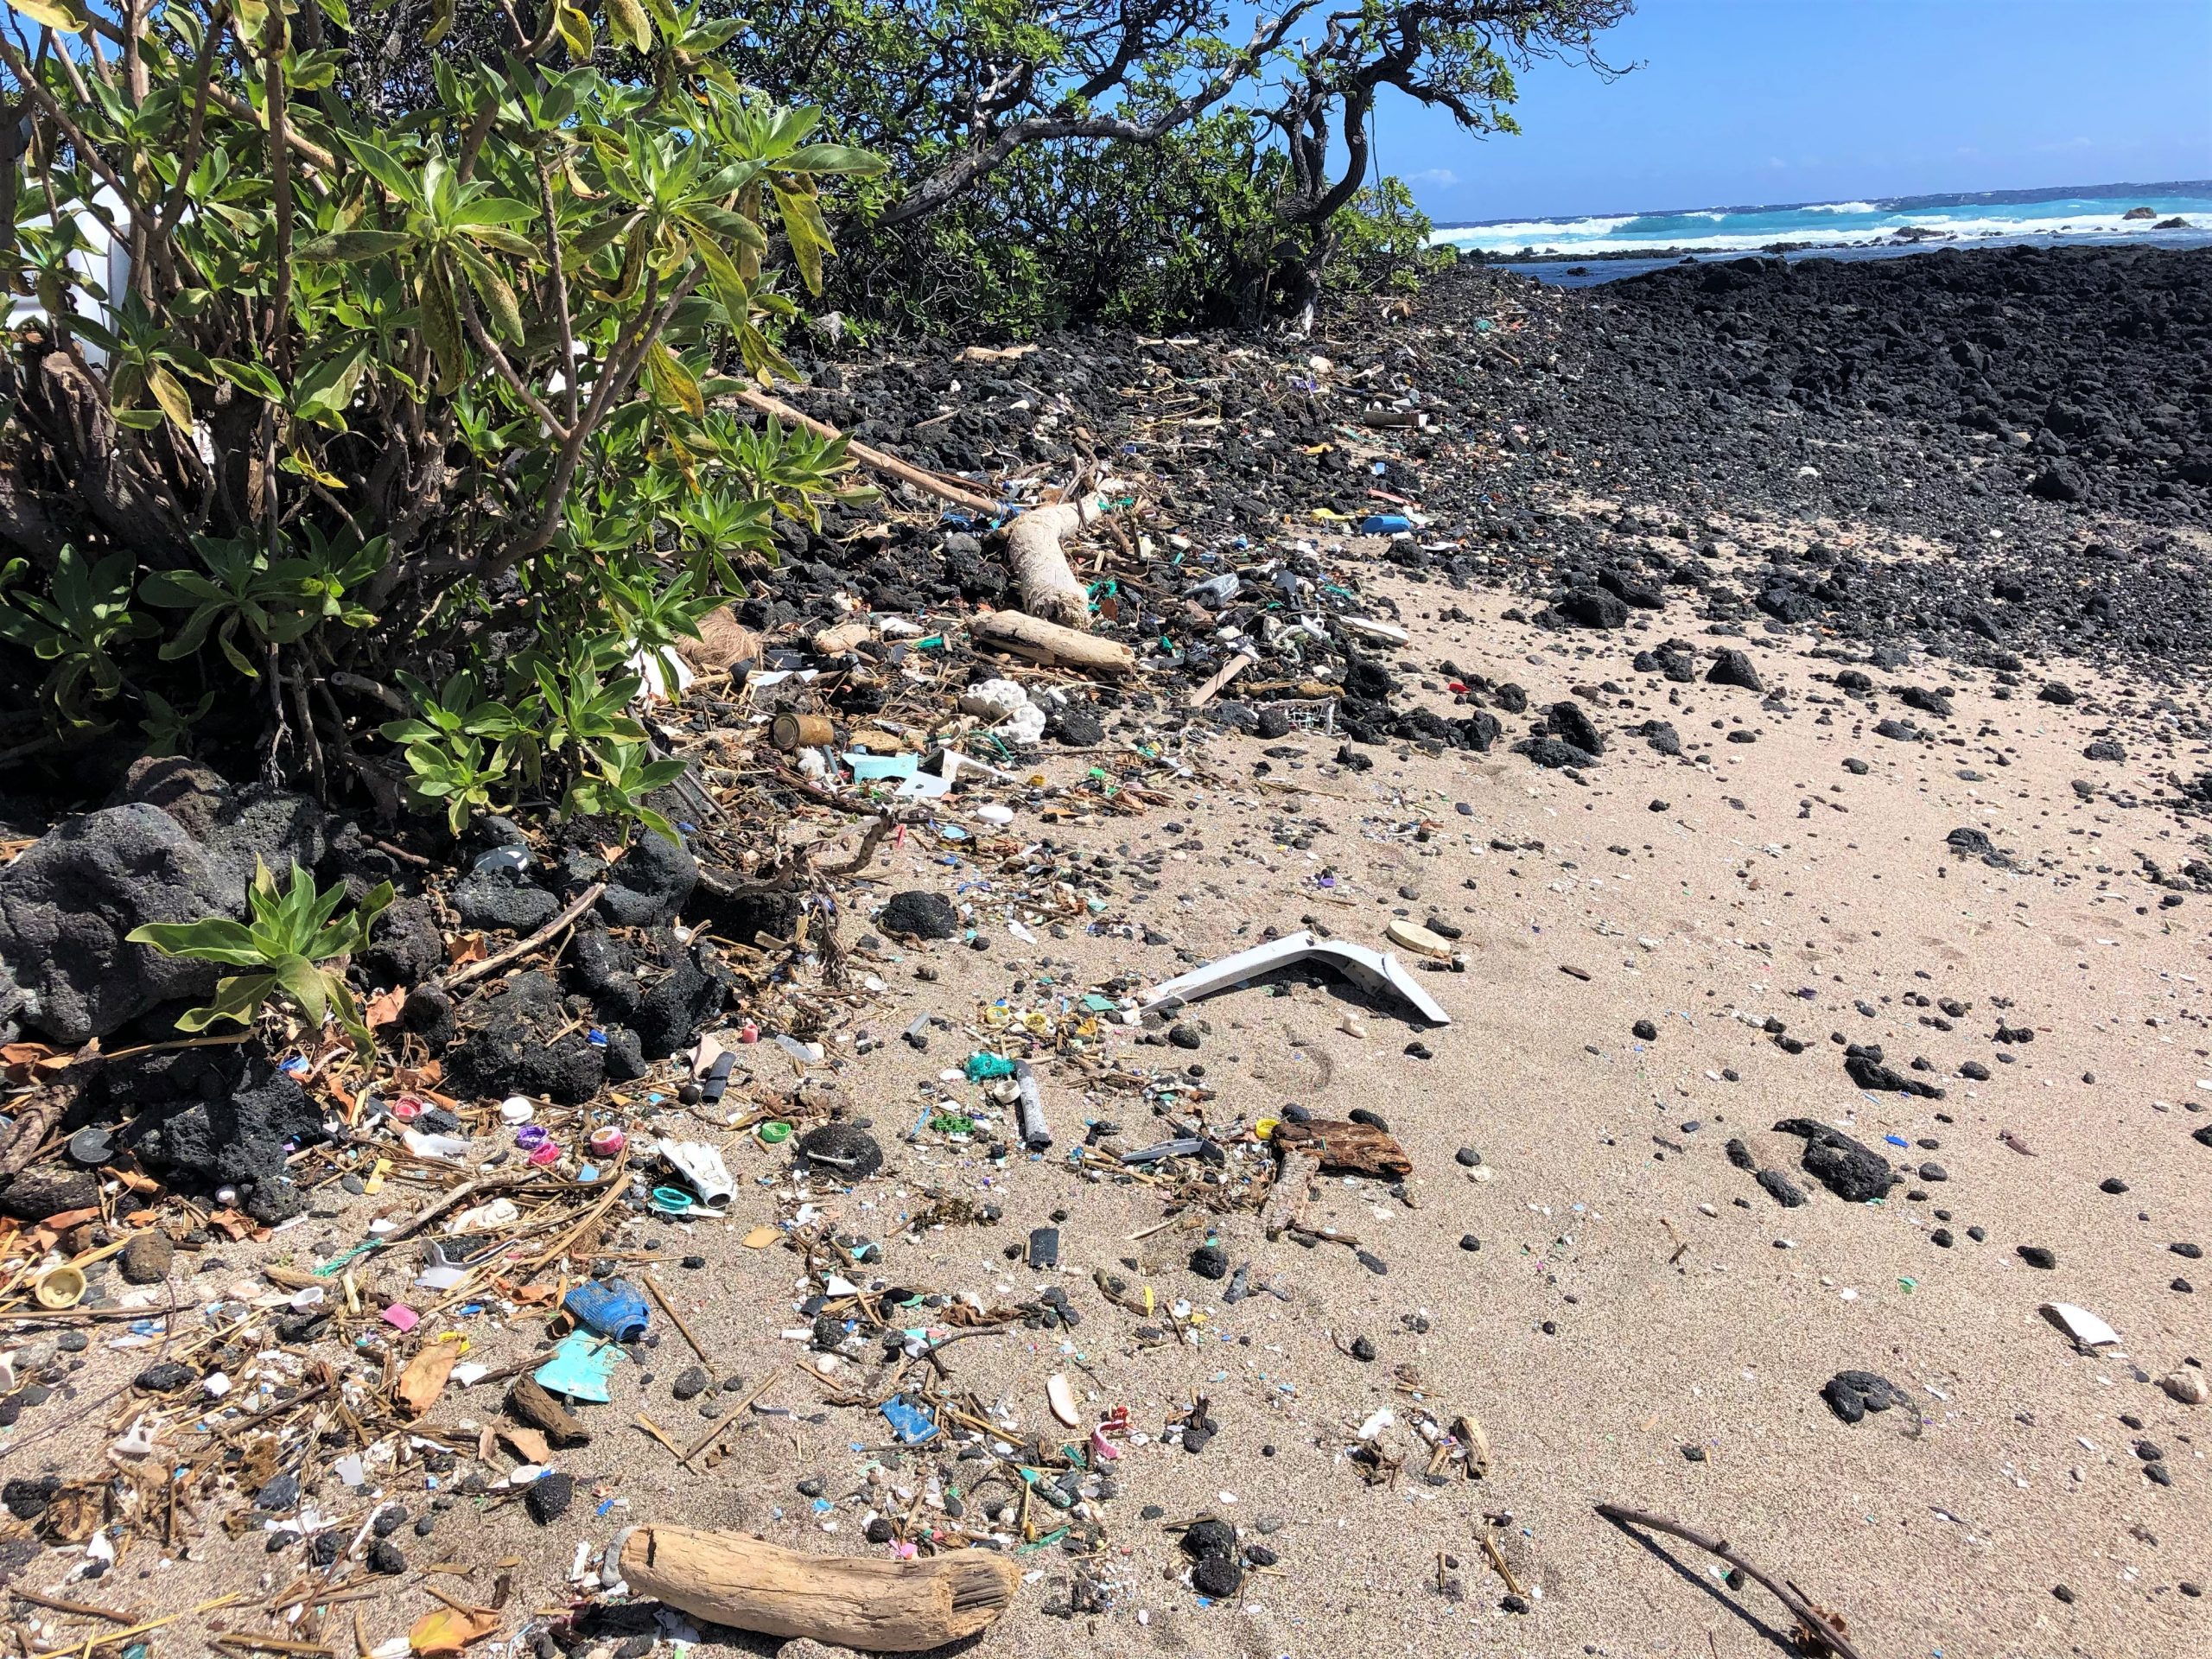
x: 1852, y: 1395
x: 548, y: 1498
x: 918, y: 914
x: 1853, y: 1173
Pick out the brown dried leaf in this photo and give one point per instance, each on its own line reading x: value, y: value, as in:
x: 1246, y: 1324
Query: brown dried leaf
x: 424, y: 1379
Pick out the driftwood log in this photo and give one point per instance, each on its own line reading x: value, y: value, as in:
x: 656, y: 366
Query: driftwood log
x: 1049, y: 588
x: 1041, y: 641
x: 878, y: 1607
x: 1345, y: 1148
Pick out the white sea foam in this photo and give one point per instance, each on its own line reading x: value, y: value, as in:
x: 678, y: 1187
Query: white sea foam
x: 1822, y: 224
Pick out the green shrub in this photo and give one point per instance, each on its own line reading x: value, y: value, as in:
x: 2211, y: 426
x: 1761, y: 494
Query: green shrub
x: 289, y: 934
x: 434, y: 393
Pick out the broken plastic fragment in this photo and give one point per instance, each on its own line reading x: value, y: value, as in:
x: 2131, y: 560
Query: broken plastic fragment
x: 1061, y: 1398
x: 911, y: 1425
x: 2085, y: 1327
x: 700, y: 1164
x: 1371, y: 971
x: 580, y: 1367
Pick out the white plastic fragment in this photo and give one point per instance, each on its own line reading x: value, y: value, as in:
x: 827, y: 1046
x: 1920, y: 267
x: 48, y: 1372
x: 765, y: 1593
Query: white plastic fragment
x: 1061, y: 1398
x: 1371, y: 971
x: 2085, y: 1327
x: 700, y: 1164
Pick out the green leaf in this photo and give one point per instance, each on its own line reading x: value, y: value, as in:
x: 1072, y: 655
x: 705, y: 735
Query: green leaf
x: 441, y: 21
x: 306, y: 985
x: 327, y: 388
x: 384, y: 168
x: 351, y: 247
x: 629, y: 23
x: 213, y: 938
x: 250, y: 376
x: 671, y: 382
x: 169, y: 393
x: 54, y: 14
x: 834, y: 158
x: 575, y: 31
x: 238, y: 999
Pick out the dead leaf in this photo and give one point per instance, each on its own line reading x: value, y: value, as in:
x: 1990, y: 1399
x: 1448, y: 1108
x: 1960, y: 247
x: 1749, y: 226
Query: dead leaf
x: 449, y: 1630
x: 27, y: 1062
x: 424, y: 1379
x: 528, y: 1295
x: 528, y: 1445
x: 231, y: 1222
x: 464, y: 947
x: 61, y: 1224
x: 383, y: 1007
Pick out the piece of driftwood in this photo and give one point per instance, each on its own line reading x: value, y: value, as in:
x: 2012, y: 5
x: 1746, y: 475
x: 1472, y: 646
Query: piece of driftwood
x: 1287, y: 1195
x: 1206, y: 693
x: 1049, y: 588
x: 1346, y: 1148
x: 529, y: 1401
x: 1822, y: 1628
x: 1043, y: 641
x: 474, y: 972
x: 878, y: 1607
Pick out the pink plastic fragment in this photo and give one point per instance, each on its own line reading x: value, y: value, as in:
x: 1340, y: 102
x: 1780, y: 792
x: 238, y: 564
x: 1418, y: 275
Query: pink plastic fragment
x: 401, y: 1317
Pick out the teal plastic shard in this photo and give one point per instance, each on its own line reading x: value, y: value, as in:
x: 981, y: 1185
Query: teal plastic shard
x: 581, y: 1367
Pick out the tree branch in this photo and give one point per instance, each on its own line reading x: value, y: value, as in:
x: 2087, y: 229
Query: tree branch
x: 970, y: 167
x: 1813, y: 1621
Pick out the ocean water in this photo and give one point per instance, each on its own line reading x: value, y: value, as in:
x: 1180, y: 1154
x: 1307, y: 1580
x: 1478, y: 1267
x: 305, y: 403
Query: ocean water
x: 2093, y: 213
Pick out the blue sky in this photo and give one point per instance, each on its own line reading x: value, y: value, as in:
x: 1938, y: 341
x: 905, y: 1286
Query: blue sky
x: 1743, y: 102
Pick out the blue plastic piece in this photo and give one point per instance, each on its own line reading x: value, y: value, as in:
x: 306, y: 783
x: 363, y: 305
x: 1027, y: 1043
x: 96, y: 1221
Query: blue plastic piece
x: 1385, y: 524
x: 580, y: 1367
x: 910, y: 1423
x: 613, y: 1307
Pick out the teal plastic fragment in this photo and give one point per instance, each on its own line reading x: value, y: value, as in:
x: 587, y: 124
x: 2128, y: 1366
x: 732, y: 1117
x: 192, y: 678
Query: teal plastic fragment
x: 874, y: 768
x: 580, y: 1367
x: 981, y: 1068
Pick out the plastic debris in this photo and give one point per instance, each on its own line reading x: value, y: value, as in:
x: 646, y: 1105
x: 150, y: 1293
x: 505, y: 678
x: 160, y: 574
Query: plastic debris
x: 579, y: 1368
x: 613, y: 1307
x: 700, y: 1164
x: 1371, y: 971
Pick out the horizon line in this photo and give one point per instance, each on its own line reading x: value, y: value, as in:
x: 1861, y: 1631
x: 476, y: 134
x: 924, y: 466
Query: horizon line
x: 2025, y: 193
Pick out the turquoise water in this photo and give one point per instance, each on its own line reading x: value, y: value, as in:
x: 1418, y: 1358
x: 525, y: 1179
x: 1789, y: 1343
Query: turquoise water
x: 2098, y: 212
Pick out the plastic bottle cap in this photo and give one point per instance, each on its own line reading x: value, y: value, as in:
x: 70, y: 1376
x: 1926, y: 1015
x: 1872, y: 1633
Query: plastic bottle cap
x: 515, y: 1109
x: 607, y: 1142
x: 773, y: 1133
x: 544, y: 1153
x: 531, y: 1136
